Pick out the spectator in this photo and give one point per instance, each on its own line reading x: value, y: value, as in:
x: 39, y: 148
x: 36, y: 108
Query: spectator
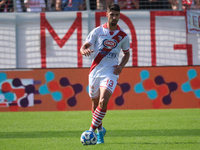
x: 50, y: 5
x: 103, y: 4
x: 93, y: 4
x: 34, y: 5
x: 154, y: 4
x: 6, y: 6
x: 195, y: 5
x: 166, y: 4
x: 20, y: 6
x: 69, y: 5
x: 128, y: 4
x: 185, y: 4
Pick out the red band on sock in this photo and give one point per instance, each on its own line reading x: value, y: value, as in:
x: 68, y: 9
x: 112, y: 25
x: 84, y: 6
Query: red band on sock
x: 98, y: 116
x: 102, y: 110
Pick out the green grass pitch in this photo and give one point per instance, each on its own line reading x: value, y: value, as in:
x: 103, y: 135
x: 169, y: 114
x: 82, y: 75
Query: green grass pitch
x: 164, y: 129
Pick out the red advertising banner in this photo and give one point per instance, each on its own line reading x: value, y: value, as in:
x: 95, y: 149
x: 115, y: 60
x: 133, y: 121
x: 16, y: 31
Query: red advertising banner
x: 67, y: 89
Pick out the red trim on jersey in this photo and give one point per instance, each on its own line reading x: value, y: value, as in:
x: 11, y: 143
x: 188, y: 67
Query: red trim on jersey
x: 96, y: 61
x: 99, y: 57
x: 107, y: 89
x: 105, y: 25
x: 125, y: 51
x: 95, y: 96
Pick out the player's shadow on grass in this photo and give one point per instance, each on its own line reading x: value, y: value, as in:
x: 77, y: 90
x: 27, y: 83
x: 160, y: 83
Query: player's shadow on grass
x: 166, y: 132
x: 40, y: 134
x: 110, y: 133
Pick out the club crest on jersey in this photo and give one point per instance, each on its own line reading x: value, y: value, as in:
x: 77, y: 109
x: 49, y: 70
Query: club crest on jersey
x: 109, y: 43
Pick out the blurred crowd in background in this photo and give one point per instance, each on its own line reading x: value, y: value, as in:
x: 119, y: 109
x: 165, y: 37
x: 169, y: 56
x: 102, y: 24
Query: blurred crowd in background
x: 79, y: 5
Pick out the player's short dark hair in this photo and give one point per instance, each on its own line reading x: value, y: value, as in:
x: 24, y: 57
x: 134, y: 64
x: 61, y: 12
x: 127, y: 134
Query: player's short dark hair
x: 113, y: 6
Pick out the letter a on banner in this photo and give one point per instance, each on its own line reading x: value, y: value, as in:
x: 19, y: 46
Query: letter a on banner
x: 77, y: 24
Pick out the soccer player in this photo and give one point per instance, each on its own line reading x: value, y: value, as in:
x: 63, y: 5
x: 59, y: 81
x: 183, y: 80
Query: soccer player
x: 108, y: 40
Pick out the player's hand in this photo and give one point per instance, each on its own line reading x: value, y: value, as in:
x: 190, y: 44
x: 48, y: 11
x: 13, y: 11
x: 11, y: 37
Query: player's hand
x: 86, y: 52
x: 117, y: 70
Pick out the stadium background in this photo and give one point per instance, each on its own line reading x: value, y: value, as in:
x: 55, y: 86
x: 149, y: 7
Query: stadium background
x: 42, y: 69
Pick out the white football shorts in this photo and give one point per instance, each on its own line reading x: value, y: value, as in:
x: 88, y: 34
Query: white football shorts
x: 95, y: 83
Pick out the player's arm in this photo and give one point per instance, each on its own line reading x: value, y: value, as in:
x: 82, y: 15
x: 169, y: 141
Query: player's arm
x: 118, y: 68
x: 125, y: 59
x: 85, y: 49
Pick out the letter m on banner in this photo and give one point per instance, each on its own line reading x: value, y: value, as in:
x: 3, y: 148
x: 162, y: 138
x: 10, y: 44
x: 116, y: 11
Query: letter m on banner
x: 44, y: 24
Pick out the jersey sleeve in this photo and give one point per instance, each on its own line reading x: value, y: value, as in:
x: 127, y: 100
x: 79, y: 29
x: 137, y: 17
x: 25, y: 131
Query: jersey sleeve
x: 126, y: 44
x: 91, y: 38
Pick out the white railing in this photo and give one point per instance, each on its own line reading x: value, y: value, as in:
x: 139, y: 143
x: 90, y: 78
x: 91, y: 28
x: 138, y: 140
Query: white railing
x: 53, y: 40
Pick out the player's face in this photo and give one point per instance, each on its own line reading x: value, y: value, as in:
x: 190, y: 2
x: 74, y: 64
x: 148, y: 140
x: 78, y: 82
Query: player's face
x: 113, y: 17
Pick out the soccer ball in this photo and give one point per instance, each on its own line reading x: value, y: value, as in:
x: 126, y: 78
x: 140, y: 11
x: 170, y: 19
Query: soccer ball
x: 88, y: 138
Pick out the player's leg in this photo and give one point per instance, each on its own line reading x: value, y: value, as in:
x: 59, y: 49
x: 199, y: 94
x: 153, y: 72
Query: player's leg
x: 104, y: 97
x: 101, y: 112
x: 101, y: 109
x: 107, y: 87
x: 94, y: 94
x: 95, y: 103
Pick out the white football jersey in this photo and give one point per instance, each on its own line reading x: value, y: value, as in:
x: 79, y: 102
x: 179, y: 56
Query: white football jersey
x: 107, y: 46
